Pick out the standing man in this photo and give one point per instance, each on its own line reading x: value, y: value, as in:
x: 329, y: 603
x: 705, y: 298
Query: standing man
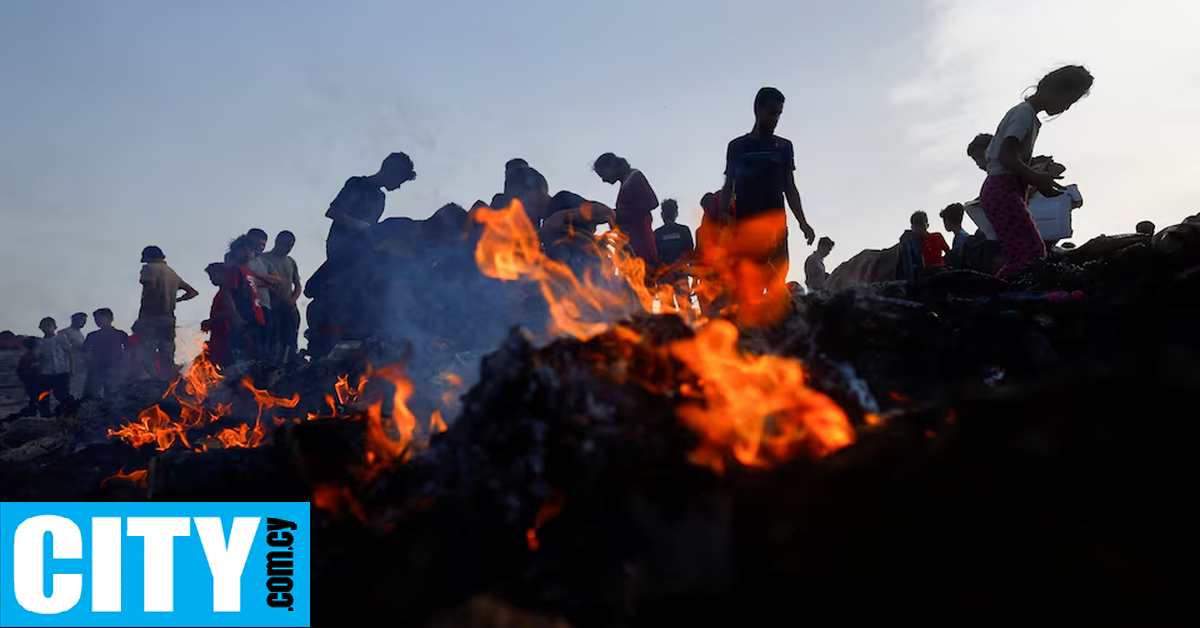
x: 156, y: 317
x: 74, y: 335
x: 675, y: 249
x: 759, y: 176
x: 56, y: 366
x: 266, y: 279
x: 287, y: 293
x: 635, y: 201
x: 814, y: 267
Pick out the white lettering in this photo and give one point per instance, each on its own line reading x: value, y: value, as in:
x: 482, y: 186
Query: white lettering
x: 159, y: 533
x: 227, y: 563
x: 28, y: 570
x: 106, y: 564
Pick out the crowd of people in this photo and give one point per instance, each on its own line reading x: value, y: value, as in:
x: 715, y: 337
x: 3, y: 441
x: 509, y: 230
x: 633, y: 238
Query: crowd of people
x: 736, y: 265
x: 245, y: 323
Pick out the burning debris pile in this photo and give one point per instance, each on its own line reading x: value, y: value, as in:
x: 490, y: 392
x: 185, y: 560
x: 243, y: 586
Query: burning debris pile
x: 948, y: 449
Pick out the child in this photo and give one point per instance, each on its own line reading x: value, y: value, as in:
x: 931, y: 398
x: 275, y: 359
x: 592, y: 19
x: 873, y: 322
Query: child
x: 952, y: 221
x: 1009, y: 175
x: 243, y: 307
x: 56, y: 365
x: 221, y: 317
x: 106, y: 349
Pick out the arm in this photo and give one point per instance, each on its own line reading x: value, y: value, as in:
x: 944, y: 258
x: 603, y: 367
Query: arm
x: 189, y: 292
x: 1010, y: 158
x: 270, y: 278
x: 297, y: 285
x: 725, y: 202
x: 590, y: 214
x: 340, y: 217
x: 792, y: 193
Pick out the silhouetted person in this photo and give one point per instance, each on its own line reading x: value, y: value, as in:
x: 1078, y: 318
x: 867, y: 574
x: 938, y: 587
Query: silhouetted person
x: 56, y: 365
x: 286, y: 295
x: 1146, y: 228
x: 106, y: 350
x: 360, y: 205
x: 759, y: 176
x: 635, y: 201
x: 156, y: 317
x: 244, y: 308
x: 952, y: 221
x: 1003, y: 196
x: 675, y: 249
x: 74, y: 333
x: 814, y: 267
x: 977, y: 150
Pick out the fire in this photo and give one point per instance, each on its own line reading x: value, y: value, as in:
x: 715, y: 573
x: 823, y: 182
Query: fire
x: 436, y: 424
x: 549, y: 510
x: 153, y: 426
x: 583, y: 307
x: 42, y: 396
x: 138, y: 477
x: 385, y: 447
x: 266, y: 400
x: 242, y: 437
x: 756, y: 407
x: 347, y: 395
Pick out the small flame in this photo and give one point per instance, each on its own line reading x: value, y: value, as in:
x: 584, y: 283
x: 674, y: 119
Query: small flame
x: 242, y: 436
x: 756, y: 407
x: 391, y: 440
x: 138, y: 477
x: 549, y: 510
x: 436, y: 424
x: 266, y: 400
x: 153, y: 426
x: 43, y: 395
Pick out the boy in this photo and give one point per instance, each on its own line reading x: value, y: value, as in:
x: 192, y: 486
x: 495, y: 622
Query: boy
x: 287, y: 293
x: 952, y: 220
x: 56, y: 365
x: 106, y: 350
x: 759, y: 175
x: 675, y: 251
x: 814, y: 266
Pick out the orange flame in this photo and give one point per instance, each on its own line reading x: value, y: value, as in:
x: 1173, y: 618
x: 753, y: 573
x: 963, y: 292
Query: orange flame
x: 153, y: 426
x: 43, y: 395
x: 266, y: 400
x: 549, y: 510
x: 138, y: 477
x: 347, y: 395
x: 756, y: 407
x: 242, y: 436
x: 336, y: 500
x: 436, y: 424
x: 509, y: 249
x: 384, y: 448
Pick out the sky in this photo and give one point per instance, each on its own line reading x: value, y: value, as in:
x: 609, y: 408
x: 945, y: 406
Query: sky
x: 129, y: 123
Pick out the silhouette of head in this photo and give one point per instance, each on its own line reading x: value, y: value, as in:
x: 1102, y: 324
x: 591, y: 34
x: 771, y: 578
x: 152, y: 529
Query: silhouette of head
x: 610, y: 168
x: 768, y: 106
x: 920, y: 222
x: 78, y: 320
x: 1064, y: 87
x: 152, y: 254
x: 824, y: 245
x: 977, y: 149
x: 103, y: 317
x: 952, y: 217
x: 397, y: 169
x: 1145, y: 227
x: 284, y: 242
x: 670, y: 211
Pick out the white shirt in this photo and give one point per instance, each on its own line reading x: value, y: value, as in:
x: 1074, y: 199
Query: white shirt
x: 814, y: 272
x: 1020, y: 122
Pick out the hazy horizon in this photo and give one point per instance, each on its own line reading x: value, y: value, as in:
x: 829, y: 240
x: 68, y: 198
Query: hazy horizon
x: 133, y: 123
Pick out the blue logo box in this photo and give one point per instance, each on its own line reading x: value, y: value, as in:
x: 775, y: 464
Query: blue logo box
x: 154, y: 564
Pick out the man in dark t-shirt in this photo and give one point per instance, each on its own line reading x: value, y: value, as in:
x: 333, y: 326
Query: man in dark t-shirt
x: 759, y: 177
x: 675, y: 248
x: 360, y: 204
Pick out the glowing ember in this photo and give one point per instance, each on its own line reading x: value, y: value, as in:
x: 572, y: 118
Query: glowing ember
x: 137, y: 477
x: 389, y: 438
x: 756, y: 407
x: 549, y: 510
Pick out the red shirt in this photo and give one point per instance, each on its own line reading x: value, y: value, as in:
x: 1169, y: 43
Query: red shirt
x: 635, y: 201
x: 932, y: 247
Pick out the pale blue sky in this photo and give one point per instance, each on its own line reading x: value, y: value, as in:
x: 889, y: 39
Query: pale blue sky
x: 127, y: 123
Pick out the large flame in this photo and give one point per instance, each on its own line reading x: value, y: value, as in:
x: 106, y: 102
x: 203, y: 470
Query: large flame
x: 755, y: 407
x: 509, y: 249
